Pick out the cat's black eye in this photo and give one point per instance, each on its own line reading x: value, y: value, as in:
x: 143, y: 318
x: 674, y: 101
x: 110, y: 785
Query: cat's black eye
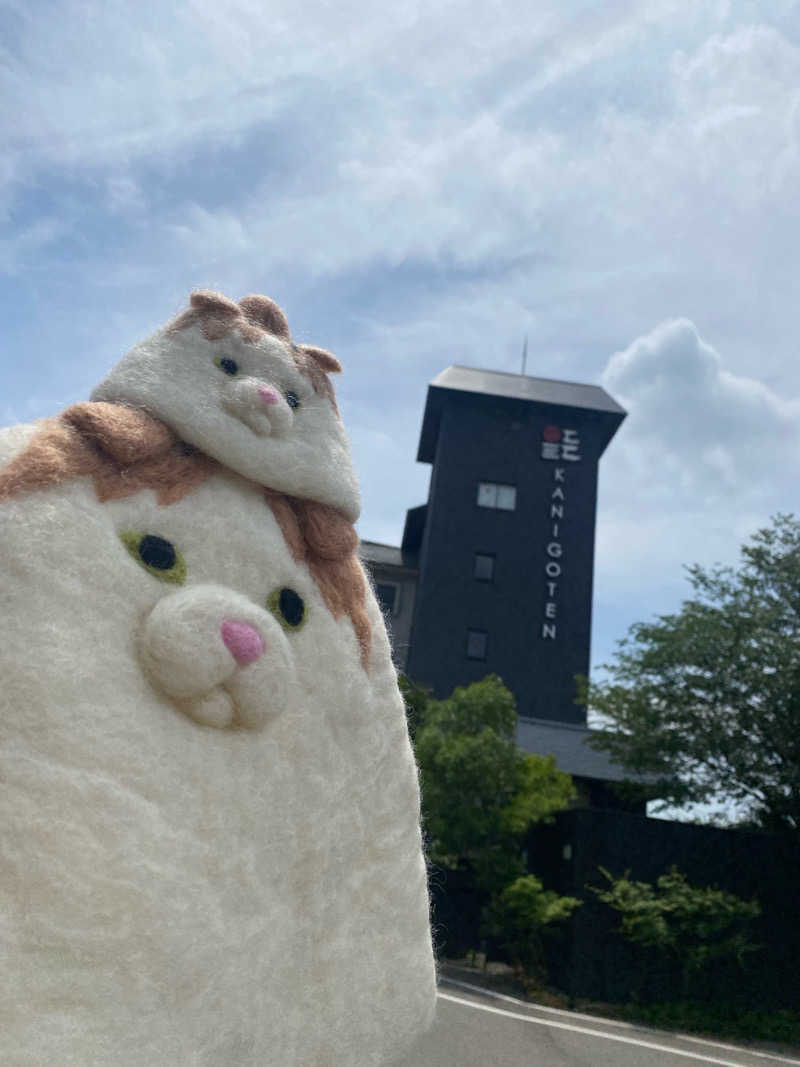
x: 229, y: 366
x: 288, y: 607
x: 157, y: 552
x: 292, y: 399
x: 156, y: 555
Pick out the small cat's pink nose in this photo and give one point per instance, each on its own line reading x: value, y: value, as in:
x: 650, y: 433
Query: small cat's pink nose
x: 269, y: 396
x: 242, y: 640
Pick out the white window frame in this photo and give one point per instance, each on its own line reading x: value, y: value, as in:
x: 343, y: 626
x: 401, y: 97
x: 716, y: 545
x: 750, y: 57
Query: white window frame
x: 497, y: 496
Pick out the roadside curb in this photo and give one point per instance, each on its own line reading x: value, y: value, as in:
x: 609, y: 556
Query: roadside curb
x: 501, y: 984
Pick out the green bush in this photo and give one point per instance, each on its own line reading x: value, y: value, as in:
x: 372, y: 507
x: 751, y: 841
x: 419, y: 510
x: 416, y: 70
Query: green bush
x: 519, y: 916
x: 717, y: 1021
x: 689, y: 924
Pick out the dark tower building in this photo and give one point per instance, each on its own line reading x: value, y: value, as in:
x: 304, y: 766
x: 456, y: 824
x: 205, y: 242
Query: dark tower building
x: 505, y: 544
x: 495, y: 572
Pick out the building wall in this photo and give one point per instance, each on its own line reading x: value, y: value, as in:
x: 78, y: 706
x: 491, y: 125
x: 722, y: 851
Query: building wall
x: 597, y: 962
x: 498, y: 440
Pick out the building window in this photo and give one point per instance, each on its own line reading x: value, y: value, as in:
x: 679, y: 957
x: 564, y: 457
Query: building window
x: 483, y: 568
x: 476, y: 644
x: 388, y: 597
x: 501, y: 497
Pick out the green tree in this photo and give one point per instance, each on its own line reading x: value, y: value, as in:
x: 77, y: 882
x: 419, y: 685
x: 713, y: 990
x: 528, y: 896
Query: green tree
x: 480, y: 792
x: 706, y: 702
x: 416, y: 699
x: 691, y: 925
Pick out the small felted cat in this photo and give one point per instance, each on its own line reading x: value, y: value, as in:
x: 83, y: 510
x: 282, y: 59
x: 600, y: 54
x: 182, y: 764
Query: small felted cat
x: 227, y: 378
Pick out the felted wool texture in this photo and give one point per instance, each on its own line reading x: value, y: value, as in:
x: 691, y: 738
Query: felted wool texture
x: 249, y: 892
x: 245, y: 420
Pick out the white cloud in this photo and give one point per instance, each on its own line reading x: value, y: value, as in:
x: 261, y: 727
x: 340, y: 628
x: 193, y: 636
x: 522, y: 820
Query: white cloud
x: 617, y: 221
x: 694, y: 427
x: 19, y: 248
x: 124, y: 195
x: 703, y: 460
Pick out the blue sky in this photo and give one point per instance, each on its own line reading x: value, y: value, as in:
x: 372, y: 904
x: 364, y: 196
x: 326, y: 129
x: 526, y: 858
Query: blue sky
x: 427, y: 185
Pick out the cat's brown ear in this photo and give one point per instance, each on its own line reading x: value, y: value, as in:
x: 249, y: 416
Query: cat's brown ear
x: 207, y: 302
x: 325, y: 360
x: 263, y: 312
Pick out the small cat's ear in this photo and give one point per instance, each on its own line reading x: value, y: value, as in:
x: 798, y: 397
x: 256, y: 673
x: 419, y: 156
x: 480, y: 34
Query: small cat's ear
x: 263, y: 312
x: 207, y: 302
x: 325, y: 360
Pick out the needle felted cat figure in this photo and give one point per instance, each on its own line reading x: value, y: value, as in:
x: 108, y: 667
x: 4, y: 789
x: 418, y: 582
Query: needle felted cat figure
x: 227, y: 378
x: 210, y: 811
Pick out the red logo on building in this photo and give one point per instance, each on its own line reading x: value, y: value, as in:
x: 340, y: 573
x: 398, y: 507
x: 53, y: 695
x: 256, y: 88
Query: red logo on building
x: 558, y: 444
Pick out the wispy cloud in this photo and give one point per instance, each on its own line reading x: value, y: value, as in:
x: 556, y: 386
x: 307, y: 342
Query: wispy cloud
x: 22, y: 245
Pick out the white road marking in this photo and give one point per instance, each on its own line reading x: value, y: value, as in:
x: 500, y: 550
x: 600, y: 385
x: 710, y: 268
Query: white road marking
x: 614, y: 1022
x: 541, y: 1007
x: 593, y: 1033
x: 738, y: 1048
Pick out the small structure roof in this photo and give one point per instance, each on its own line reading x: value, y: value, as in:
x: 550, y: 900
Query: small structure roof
x: 380, y: 555
x: 567, y: 742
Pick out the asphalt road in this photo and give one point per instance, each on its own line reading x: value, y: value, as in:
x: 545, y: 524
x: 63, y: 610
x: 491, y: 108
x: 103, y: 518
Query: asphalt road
x: 476, y: 1029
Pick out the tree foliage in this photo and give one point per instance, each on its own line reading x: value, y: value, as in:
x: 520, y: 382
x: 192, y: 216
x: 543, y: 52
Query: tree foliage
x: 480, y: 792
x: 692, y: 925
x: 416, y: 698
x: 707, y: 701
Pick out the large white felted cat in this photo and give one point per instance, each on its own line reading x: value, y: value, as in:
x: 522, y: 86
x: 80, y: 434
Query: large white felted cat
x: 209, y: 843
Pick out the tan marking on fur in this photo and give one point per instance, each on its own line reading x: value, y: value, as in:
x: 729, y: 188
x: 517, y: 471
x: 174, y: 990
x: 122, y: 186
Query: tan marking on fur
x: 252, y: 317
x: 55, y: 454
x: 286, y: 517
x: 326, y: 541
x: 121, y: 449
x: 327, y: 533
x: 126, y: 434
x: 207, y: 301
x: 216, y: 327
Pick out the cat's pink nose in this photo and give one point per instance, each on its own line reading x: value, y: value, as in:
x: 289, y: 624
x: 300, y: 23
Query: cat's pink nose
x: 242, y: 640
x: 269, y: 396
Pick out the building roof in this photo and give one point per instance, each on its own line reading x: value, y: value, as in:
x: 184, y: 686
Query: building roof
x: 380, y: 555
x: 524, y: 387
x: 567, y: 742
x: 545, y: 392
